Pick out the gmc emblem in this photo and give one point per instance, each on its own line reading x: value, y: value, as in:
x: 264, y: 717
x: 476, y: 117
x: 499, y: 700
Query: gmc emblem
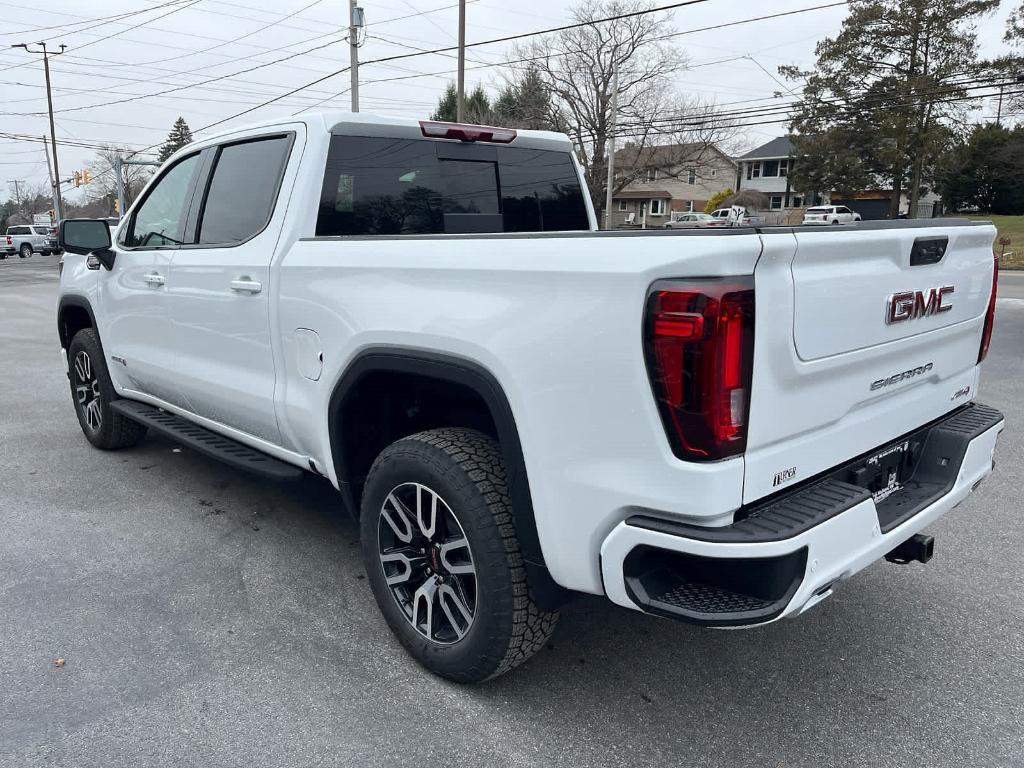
x: 910, y: 305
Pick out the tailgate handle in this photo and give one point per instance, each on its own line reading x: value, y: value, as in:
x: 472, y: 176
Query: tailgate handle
x: 928, y: 250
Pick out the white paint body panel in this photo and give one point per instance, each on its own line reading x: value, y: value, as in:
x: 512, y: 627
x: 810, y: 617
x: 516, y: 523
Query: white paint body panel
x: 557, y: 320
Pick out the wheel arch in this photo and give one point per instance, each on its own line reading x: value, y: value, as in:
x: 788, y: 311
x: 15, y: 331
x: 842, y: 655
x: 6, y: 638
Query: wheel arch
x: 73, y: 314
x: 457, y: 372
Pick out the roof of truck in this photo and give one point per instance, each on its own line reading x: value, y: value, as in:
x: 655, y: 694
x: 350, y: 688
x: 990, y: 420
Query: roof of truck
x: 338, y: 121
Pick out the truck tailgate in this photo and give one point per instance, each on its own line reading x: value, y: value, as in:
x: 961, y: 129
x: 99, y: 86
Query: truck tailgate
x: 860, y: 338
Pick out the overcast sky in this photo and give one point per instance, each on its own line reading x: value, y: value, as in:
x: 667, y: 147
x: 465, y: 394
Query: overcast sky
x: 189, y: 41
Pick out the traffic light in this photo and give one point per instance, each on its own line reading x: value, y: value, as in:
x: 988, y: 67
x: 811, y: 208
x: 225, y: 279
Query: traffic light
x: 77, y: 176
x: 85, y: 176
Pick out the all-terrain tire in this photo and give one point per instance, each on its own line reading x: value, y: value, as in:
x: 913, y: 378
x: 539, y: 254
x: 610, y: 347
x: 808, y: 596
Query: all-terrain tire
x: 465, y: 469
x: 92, y: 392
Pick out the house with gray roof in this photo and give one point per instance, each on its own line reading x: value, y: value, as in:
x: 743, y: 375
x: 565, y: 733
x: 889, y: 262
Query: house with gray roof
x: 766, y: 169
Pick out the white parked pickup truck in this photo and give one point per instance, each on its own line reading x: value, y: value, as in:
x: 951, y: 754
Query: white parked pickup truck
x: 718, y: 426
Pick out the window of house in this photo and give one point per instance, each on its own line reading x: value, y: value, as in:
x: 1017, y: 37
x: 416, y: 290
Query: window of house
x: 770, y: 168
x: 796, y: 201
x: 691, y: 176
x: 776, y: 202
x: 242, y: 190
x: 622, y: 205
x: 689, y: 206
x: 714, y: 172
x: 652, y: 174
x: 754, y: 170
x: 783, y: 167
x: 657, y: 207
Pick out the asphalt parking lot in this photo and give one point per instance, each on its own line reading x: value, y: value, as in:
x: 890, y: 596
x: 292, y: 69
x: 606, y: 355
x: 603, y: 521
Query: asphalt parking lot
x: 210, y: 619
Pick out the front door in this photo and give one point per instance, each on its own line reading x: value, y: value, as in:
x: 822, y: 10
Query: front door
x: 135, y: 330
x: 218, y: 290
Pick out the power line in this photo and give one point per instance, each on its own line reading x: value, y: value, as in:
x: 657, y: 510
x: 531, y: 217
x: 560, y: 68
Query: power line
x: 532, y: 34
x: 100, y: 20
x: 188, y: 4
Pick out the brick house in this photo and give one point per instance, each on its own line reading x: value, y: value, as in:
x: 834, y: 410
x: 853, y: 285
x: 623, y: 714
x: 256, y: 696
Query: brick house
x: 663, y: 179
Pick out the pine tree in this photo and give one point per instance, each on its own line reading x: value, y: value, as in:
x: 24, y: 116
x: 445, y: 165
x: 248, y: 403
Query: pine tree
x: 879, y: 105
x: 179, y: 136
x: 476, y: 106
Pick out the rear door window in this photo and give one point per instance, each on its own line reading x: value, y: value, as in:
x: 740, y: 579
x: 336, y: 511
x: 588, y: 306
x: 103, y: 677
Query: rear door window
x: 242, y: 190
x: 381, y: 186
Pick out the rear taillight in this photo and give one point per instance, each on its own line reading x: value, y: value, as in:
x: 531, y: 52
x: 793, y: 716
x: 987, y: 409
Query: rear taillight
x: 990, y: 315
x: 699, y: 346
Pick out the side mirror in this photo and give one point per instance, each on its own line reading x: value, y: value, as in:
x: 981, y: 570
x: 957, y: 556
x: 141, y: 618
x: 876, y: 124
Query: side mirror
x: 87, y: 237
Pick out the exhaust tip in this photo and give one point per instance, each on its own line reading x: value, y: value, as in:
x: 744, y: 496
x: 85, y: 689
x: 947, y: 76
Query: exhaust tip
x: 918, y: 548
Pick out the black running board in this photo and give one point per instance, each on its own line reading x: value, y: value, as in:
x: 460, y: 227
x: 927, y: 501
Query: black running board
x: 202, y: 440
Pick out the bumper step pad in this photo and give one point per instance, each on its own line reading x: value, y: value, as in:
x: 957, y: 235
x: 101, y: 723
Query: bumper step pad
x: 204, y: 441
x: 735, y: 591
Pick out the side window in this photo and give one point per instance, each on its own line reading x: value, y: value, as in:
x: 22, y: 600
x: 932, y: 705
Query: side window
x: 160, y: 220
x: 242, y: 190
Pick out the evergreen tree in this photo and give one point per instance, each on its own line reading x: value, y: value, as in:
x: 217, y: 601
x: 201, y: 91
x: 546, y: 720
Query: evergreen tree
x: 987, y: 171
x: 477, y: 107
x: 179, y: 136
x: 876, y: 109
x: 525, y: 102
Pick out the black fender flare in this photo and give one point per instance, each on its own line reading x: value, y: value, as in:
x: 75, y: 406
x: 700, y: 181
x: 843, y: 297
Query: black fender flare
x: 474, y: 376
x: 72, y: 300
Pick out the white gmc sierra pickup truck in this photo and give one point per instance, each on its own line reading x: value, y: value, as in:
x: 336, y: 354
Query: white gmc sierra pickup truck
x: 718, y: 426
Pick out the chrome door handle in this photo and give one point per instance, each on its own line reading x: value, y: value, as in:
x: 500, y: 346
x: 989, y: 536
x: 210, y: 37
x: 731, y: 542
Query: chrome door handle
x: 245, y: 285
x: 154, y: 279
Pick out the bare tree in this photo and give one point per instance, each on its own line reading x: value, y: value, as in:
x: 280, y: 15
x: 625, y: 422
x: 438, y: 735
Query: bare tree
x: 104, y: 176
x: 665, y: 131
x: 29, y: 198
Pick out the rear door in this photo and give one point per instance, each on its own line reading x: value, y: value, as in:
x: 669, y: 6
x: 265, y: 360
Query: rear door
x: 218, y: 290
x: 862, y: 335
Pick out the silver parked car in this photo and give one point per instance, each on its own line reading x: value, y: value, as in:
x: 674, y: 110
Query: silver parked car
x: 692, y: 220
x: 26, y: 239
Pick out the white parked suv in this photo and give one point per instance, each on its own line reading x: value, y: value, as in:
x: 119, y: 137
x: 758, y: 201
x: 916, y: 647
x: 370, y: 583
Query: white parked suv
x: 719, y: 426
x: 830, y: 214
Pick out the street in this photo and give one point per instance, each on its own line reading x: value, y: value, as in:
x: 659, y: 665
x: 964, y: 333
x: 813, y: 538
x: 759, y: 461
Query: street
x: 208, y: 618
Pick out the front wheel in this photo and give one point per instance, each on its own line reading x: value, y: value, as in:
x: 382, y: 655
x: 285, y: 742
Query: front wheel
x: 93, y: 392
x: 443, y: 559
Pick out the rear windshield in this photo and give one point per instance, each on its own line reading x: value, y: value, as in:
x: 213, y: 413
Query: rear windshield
x: 819, y: 210
x: 381, y: 186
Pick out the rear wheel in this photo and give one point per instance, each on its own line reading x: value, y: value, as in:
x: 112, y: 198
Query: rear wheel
x: 25, y: 250
x: 443, y: 559
x: 93, y: 392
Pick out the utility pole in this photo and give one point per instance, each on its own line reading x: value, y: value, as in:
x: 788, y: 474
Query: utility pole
x: 49, y: 167
x: 460, y: 97
x: 999, y: 111
x: 611, y: 147
x: 58, y: 204
x: 356, y: 20
x: 17, y: 191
